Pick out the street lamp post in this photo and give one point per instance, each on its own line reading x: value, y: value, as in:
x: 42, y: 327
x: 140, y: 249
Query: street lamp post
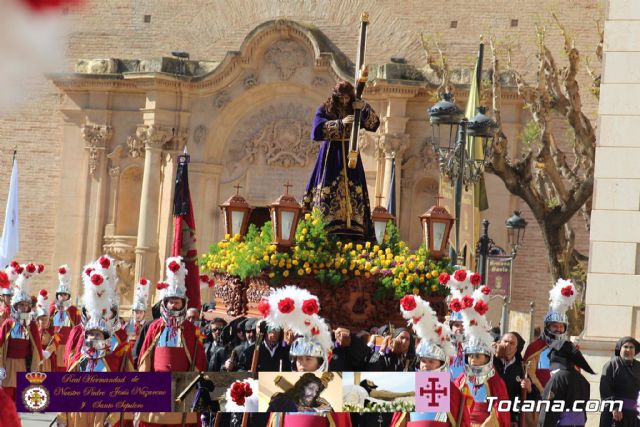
x: 484, y: 251
x: 516, y: 227
x: 462, y: 168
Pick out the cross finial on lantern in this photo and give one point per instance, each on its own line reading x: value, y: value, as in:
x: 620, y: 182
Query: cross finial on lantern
x: 438, y: 197
x: 379, y: 197
x: 286, y: 186
x: 237, y: 187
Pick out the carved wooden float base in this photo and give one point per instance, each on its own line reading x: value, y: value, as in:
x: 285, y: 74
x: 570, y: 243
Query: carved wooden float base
x: 350, y: 304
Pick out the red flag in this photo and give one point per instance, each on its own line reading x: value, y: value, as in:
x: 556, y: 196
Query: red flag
x: 184, y: 232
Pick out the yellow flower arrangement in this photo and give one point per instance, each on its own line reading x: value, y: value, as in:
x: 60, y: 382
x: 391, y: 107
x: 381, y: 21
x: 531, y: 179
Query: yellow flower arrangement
x: 393, y: 266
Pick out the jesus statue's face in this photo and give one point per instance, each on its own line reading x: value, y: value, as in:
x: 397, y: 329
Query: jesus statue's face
x: 344, y: 100
x: 310, y: 392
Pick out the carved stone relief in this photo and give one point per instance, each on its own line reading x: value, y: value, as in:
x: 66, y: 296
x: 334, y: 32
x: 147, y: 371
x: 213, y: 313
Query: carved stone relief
x: 122, y: 248
x: 368, y: 142
x: 283, y: 142
x: 287, y: 56
x: 319, y: 81
x: 199, y: 134
x: 96, y: 138
x: 276, y: 135
x: 428, y: 156
x: 221, y: 100
x: 151, y: 135
x: 250, y: 81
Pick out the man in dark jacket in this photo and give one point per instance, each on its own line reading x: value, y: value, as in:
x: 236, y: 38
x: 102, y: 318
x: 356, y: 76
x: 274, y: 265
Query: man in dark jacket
x: 214, y: 348
x: 620, y: 380
x: 395, y: 354
x: 237, y: 354
x: 350, y: 354
x: 566, y: 384
x: 508, y: 364
x: 273, y: 355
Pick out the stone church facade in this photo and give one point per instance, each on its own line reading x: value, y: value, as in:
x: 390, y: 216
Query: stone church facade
x: 242, y: 105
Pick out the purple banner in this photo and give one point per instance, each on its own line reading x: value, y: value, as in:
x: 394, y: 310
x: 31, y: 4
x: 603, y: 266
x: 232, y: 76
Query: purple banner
x: 499, y: 275
x: 94, y: 392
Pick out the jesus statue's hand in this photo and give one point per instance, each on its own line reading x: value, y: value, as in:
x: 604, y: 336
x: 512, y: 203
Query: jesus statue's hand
x: 347, y: 120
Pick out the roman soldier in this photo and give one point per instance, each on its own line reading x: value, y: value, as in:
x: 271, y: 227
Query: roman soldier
x: 119, y: 341
x: 6, y: 292
x: 433, y: 353
x: 171, y: 344
x: 46, y: 331
x: 8, y: 411
x: 297, y: 309
x: 64, y: 316
x: 301, y: 404
x: 478, y: 381
x: 96, y: 353
x: 76, y: 334
x: 20, y: 347
x: 456, y: 367
x: 458, y: 288
x: 138, y: 310
x: 561, y: 297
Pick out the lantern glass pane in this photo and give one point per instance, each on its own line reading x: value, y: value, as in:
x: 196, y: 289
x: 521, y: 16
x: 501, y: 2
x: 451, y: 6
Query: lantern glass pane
x: 236, y: 221
x: 287, y: 224
x: 380, y: 227
x: 438, y: 234
x: 425, y: 233
x: 510, y: 240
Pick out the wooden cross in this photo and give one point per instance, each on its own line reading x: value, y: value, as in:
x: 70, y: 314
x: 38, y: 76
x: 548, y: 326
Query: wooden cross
x: 286, y: 186
x: 379, y: 197
x: 237, y: 187
x: 438, y: 197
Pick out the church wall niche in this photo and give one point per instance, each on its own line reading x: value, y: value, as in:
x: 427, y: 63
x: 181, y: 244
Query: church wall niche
x: 129, y: 191
x: 423, y: 197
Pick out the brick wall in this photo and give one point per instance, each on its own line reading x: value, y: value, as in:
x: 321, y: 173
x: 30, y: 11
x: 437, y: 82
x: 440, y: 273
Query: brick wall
x: 116, y: 28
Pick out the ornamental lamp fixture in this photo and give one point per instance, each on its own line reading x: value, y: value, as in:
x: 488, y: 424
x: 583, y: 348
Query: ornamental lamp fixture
x: 445, y: 117
x: 516, y: 227
x: 236, y: 213
x: 436, y: 227
x: 484, y: 128
x: 380, y: 217
x: 285, y: 214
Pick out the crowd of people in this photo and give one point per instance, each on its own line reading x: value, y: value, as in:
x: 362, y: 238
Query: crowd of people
x: 38, y: 335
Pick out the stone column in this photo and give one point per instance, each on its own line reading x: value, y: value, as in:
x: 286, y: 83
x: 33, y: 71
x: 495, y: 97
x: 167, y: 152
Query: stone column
x: 97, y: 138
x: 613, y: 289
x: 151, y: 139
x: 393, y: 147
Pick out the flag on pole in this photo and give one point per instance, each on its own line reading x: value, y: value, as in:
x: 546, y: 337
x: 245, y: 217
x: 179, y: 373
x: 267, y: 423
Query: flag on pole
x: 184, y: 231
x: 10, y: 242
x: 391, y: 194
x: 474, y: 149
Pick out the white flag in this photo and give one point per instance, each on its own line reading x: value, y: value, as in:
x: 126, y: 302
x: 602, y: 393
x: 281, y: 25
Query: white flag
x: 10, y: 242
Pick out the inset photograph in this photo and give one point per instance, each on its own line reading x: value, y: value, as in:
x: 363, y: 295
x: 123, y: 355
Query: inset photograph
x: 378, y: 392
x: 211, y: 392
x: 300, y: 392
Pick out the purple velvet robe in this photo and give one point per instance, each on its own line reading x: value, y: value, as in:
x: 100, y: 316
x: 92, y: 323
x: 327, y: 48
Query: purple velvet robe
x: 340, y: 201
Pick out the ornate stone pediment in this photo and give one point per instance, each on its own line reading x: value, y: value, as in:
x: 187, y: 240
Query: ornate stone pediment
x: 287, y: 56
